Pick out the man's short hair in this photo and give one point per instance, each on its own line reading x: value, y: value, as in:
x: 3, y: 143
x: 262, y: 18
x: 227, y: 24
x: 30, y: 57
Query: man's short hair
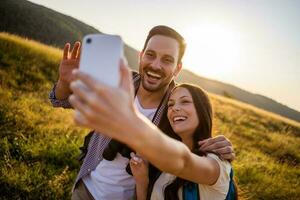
x: 169, y: 32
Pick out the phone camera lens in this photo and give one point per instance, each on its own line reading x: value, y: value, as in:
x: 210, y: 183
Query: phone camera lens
x: 89, y: 40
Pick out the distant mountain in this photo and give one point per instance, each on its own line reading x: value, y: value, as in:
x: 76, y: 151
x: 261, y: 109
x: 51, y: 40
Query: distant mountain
x: 47, y: 26
x: 236, y: 93
x: 50, y: 27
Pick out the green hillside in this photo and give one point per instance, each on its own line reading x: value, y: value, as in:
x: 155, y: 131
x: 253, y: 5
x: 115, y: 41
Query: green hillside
x: 45, y: 25
x: 24, y: 18
x: 39, y: 145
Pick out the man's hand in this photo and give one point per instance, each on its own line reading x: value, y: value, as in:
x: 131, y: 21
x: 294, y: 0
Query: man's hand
x: 69, y: 62
x: 219, y: 144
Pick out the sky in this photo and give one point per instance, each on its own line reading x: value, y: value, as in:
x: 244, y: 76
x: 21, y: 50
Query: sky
x: 253, y: 44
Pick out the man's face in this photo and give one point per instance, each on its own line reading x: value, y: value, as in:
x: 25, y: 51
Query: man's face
x: 159, y: 63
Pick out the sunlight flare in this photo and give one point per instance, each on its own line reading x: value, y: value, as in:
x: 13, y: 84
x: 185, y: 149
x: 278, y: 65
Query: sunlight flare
x: 212, y: 50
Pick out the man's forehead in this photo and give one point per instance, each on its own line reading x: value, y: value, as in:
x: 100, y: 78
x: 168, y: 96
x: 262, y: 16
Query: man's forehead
x: 160, y: 43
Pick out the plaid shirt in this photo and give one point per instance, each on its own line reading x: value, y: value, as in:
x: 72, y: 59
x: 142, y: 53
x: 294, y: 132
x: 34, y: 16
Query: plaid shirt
x: 98, y: 141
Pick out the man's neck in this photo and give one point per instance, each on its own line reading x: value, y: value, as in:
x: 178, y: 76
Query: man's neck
x: 149, y: 99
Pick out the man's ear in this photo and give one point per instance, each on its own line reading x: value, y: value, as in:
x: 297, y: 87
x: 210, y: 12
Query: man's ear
x: 140, y: 56
x: 178, y: 69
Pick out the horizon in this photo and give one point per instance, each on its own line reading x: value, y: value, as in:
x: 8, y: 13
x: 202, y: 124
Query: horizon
x: 245, y: 44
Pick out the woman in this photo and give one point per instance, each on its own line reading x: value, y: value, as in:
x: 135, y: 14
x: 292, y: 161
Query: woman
x: 100, y: 108
x: 189, y: 115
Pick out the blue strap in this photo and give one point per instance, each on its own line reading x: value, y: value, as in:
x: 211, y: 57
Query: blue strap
x: 231, y: 191
x: 190, y: 191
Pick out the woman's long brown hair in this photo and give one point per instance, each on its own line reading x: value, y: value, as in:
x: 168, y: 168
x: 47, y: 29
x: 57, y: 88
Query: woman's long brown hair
x: 203, y: 131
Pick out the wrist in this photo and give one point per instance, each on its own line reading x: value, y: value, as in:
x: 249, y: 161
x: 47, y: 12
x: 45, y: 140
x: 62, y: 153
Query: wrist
x: 142, y: 186
x: 63, y: 84
x: 62, y: 90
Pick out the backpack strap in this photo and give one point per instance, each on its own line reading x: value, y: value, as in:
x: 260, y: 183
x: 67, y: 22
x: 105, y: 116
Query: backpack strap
x: 84, y: 148
x: 231, y: 191
x: 190, y: 191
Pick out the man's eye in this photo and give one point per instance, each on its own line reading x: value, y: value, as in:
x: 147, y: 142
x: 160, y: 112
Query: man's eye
x: 167, y: 60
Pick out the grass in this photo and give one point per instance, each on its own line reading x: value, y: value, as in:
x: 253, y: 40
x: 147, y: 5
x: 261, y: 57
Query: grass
x: 267, y: 150
x: 39, y: 144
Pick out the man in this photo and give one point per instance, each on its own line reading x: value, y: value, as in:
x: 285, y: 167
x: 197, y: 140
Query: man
x: 159, y: 63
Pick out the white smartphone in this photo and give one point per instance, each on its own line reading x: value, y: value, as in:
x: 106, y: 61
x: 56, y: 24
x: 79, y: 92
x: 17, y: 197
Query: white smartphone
x: 100, y: 57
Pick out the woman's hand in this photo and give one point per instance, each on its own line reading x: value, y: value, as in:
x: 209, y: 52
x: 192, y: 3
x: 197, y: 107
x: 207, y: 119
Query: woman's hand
x: 140, y: 171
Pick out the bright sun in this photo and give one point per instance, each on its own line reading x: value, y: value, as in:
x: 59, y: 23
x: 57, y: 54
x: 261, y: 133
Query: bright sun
x: 212, y: 51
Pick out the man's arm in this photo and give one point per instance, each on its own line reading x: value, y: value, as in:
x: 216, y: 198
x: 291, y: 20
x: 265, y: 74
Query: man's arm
x: 219, y: 144
x: 61, y: 90
x: 58, y: 102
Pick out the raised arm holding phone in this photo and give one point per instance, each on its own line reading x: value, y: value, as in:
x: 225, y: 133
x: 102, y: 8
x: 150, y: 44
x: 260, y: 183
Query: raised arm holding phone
x: 189, y: 115
x: 160, y: 62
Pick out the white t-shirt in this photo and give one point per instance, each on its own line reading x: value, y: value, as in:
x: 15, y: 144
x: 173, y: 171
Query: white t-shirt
x: 218, y: 191
x: 110, y: 180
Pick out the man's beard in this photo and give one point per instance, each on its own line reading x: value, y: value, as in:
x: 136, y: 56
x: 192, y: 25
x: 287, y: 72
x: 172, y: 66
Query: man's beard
x: 159, y: 87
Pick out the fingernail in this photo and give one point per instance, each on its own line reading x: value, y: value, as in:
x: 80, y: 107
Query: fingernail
x: 74, y: 71
x: 71, y: 98
x: 79, y: 117
x: 135, y: 158
x: 76, y: 84
x: 201, y: 142
x: 132, y: 154
x: 73, y: 84
x: 132, y: 162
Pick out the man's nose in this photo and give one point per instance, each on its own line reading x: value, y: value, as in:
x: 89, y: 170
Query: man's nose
x: 156, y: 64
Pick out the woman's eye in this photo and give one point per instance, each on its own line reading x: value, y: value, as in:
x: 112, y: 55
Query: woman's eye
x: 170, y: 105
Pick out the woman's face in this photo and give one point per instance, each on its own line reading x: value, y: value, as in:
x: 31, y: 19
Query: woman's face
x: 182, y: 113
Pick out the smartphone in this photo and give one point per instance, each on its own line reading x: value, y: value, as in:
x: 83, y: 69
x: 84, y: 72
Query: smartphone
x: 100, y: 57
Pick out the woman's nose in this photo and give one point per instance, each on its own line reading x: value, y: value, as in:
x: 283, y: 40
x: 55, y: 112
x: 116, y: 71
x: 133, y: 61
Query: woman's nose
x: 176, y: 107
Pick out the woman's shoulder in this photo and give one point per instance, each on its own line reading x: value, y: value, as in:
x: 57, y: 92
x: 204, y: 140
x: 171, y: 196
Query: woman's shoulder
x: 220, y: 188
x: 221, y: 162
x: 225, y: 166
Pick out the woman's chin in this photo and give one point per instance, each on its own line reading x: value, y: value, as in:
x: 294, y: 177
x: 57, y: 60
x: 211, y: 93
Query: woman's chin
x: 178, y: 130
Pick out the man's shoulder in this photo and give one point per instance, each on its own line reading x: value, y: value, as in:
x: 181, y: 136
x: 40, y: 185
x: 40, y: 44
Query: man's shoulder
x: 134, y: 73
x: 135, y: 76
